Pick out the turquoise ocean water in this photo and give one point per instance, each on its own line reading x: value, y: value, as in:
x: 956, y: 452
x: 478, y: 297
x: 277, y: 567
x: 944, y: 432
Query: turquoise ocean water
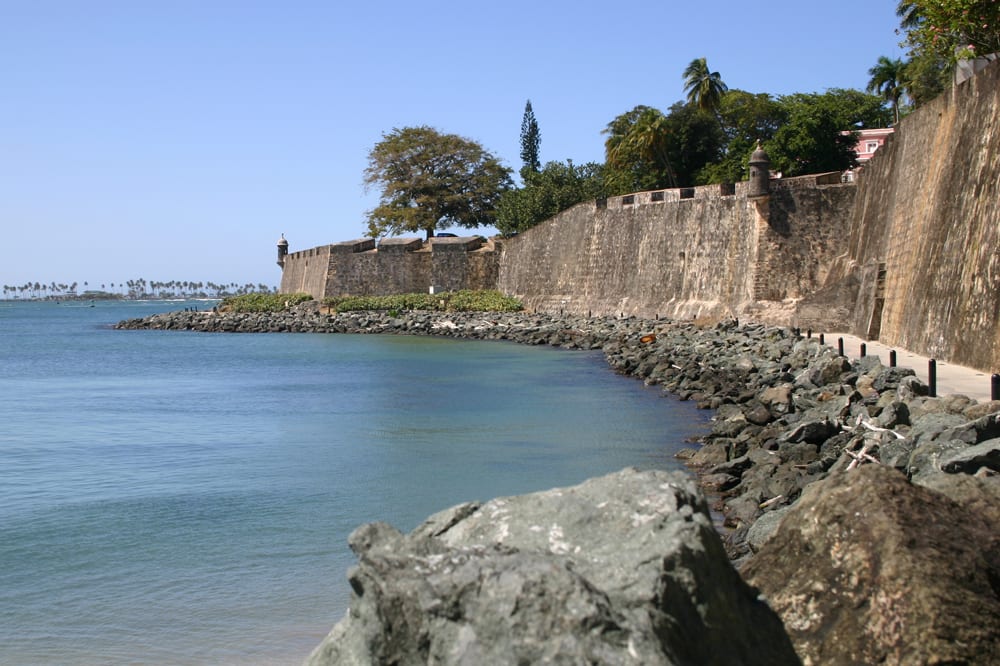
x: 185, y: 498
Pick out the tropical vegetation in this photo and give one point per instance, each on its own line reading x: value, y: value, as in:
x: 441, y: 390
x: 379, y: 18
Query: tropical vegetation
x: 707, y: 138
x: 937, y: 34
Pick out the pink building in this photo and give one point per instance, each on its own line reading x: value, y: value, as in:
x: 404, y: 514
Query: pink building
x: 870, y: 140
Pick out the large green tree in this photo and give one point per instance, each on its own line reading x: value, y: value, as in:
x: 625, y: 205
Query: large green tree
x: 431, y: 181
x: 531, y: 141
x: 704, y: 87
x: 819, y: 132
x: 745, y: 118
x: 637, y: 152
x: 551, y: 190
x: 694, y: 140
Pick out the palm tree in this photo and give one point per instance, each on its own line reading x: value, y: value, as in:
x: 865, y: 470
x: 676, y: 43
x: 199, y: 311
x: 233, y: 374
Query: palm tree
x: 637, y: 151
x: 704, y: 88
x: 887, y: 81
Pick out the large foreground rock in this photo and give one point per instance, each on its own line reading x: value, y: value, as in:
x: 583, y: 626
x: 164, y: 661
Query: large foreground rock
x: 623, y: 569
x: 868, y: 568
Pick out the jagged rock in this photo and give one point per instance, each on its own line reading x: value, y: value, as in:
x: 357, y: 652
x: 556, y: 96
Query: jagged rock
x: 713, y: 453
x: 868, y: 568
x: 909, y: 387
x: 827, y: 370
x: 890, y: 378
x: 894, y: 414
x: 764, y: 527
x: 623, y: 569
x: 926, y: 457
x: 981, y: 409
x: 778, y: 399
x: 814, y: 432
x: 971, y: 459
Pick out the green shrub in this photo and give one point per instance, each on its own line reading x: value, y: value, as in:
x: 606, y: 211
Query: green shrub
x: 262, y: 302
x: 452, y: 301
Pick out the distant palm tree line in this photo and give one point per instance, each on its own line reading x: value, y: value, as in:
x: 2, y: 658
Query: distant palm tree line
x: 132, y: 289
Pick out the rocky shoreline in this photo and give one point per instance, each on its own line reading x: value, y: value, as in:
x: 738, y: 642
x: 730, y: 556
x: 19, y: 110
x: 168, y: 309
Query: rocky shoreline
x: 795, y: 425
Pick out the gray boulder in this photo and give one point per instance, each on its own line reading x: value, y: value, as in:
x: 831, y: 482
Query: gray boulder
x: 623, y: 569
x: 970, y: 460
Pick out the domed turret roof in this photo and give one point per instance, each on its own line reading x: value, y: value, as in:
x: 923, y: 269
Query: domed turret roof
x: 759, y: 155
x: 282, y: 241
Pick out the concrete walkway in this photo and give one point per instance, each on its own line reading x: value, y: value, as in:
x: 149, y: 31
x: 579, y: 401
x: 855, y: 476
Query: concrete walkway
x: 951, y: 379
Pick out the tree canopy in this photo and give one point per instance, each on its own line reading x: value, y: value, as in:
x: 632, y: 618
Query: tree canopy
x: 812, y: 139
x: 553, y: 189
x: 745, y: 118
x: 938, y: 34
x: 951, y: 29
x: 431, y: 181
x: 636, y: 152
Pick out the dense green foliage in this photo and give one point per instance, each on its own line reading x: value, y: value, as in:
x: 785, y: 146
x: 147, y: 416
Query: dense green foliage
x: 811, y: 138
x: 802, y: 133
x: 696, y: 139
x: 262, y: 302
x: 745, y: 118
x: 555, y: 188
x: 453, y: 301
x: 430, y: 181
x: 938, y: 34
x: 531, y: 141
x: 951, y: 30
x: 637, y: 152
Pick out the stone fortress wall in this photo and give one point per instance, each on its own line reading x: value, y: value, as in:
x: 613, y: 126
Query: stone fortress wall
x: 692, y: 252
x: 908, y: 254
x: 394, y: 266
x: 922, y: 265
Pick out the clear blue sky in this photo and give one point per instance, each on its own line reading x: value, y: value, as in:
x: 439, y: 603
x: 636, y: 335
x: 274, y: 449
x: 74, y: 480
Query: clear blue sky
x: 177, y: 139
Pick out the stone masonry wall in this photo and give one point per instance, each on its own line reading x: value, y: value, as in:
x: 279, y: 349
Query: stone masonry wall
x: 922, y: 270
x: 306, y: 271
x: 397, y: 266
x: 694, y: 252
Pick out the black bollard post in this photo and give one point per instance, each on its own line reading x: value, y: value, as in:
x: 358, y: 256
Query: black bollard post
x: 822, y: 341
x: 995, y: 387
x: 840, y: 346
x: 864, y: 350
x: 809, y: 332
x: 892, y: 358
x: 932, y: 378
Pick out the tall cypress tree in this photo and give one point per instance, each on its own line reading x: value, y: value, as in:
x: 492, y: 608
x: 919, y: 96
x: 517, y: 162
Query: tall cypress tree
x: 531, y: 139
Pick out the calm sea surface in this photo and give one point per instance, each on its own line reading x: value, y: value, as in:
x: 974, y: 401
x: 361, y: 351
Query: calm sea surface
x: 185, y: 498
